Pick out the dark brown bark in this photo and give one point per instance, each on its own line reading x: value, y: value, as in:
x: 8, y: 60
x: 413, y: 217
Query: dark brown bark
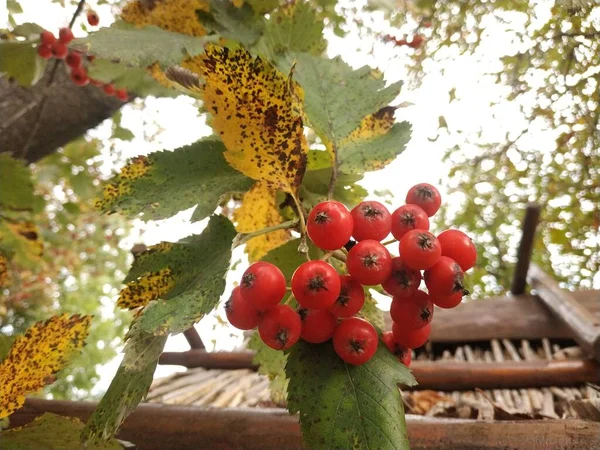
x: 70, y: 112
x: 163, y: 427
x: 193, y: 338
x: 530, y: 222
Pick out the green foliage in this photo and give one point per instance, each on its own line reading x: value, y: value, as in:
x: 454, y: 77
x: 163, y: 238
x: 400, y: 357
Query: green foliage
x: 28, y: 30
x: 19, y: 60
x: 238, y: 24
x: 345, y: 406
x: 14, y: 173
x: 287, y: 257
x: 272, y: 364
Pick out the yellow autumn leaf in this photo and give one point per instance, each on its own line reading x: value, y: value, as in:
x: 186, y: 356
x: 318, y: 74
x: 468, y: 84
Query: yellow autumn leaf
x: 256, y: 115
x: 258, y: 211
x: 373, y: 125
x: 3, y: 270
x: 121, y: 185
x: 172, y: 15
x: 35, y: 357
x: 149, y: 286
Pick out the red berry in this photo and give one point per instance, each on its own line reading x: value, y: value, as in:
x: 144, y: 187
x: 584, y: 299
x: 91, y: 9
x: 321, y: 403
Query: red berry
x: 263, y: 285
x: 371, y: 220
x: 317, y: 325
x: 44, y: 51
x: 403, y: 281
x: 369, y: 262
x: 109, y: 89
x: 355, y: 340
x: 426, y: 196
x: 90, y: 58
x: 411, y: 338
x: 73, y: 60
x: 447, y: 302
x: 240, y: 313
x: 403, y: 354
x: 407, y: 218
x: 412, y: 312
x: 122, y: 95
x: 329, y: 225
x: 417, y: 41
x: 280, y: 327
x: 65, y: 35
x: 420, y: 249
x: 60, y: 50
x: 316, y: 285
x: 79, y: 76
x: 351, y: 298
x: 458, y: 246
x: 47, y: 38
x: 444, y: 278
x: 96, y: 82
x: 93, y: 18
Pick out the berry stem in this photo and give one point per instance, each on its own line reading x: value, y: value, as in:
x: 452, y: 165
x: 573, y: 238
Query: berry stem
x: 338, y: 255
x: 388, y: 242
x: 334, y: 172
x: 303, y: 247
x: 242, y: 238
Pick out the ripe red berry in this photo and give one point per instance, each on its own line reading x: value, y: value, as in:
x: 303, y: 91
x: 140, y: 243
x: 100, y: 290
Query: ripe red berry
x: 407, y: 218
x: 351, y: 298
x: 355, y: 340
x: 411, y: 338
x: 316, y: 285
x: 412, y: 312
x: 280, y: 327
x: 425, y: 196
x: 317, y: 325
x: 44, y: 51
x: 417, y: 41
x: 93, y: 18
x: 73, y: 60
x: 90, y: 58
x: 240, y: 313
x: 47, y: 38
x: 369, y: 262
x: 109, y: 89
x: 447, y: 302
x: 458, y: 246
x: 329, y: 225
x: 65, y: 35
x: 403, y: 281
x: 121, y: 94
x: 444, y: 278
x: 263, y: 285
x: 420, y: 249
x: 403, y: 354
x: 371, y: 220
x: 59, y: 50
x: 79, y: 76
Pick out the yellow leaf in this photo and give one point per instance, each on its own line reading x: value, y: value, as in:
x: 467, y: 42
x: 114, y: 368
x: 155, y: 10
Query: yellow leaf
x: 26, y: 233
x: 256, y: 115
x: 259, y: 210
x: 136, y: 168
x: 3, y: 270
x: 372, y: 126
x: 149, y: 286
x: 36, y: 356
x: 172, y: 15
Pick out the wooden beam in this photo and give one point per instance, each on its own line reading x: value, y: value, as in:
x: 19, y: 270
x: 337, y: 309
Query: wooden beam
x: 193, y: 338
x: 165, y: 427
x: 530, y: 222
x: 442, y: 376
x: 583, y: 326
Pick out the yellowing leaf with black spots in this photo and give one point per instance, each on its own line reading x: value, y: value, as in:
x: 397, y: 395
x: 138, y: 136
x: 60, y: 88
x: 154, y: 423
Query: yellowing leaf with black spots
x: 172, y: 15
x: 16, y: 187
x: 146, y: 288
x: 21, y: 241
x: 259, y: 210
x: 120, y: 186
x: 35, y: 357
x: 3, y: 270
x: 256, y: 116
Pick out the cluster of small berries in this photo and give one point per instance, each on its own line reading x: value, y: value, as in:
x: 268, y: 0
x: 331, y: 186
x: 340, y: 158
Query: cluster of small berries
x: 329, y: 301
x: 51, y: 47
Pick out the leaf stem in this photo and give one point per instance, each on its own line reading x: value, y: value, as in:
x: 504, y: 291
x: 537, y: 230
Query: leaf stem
x: 388, y: 242
x: 242, y: 238
x: 303, y: 247
x: 338, y: 255
x: 334, y: 173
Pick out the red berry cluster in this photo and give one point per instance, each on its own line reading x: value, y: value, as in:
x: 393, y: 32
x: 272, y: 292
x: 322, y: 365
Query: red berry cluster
x: 329, y: 301
x: 50, y: 47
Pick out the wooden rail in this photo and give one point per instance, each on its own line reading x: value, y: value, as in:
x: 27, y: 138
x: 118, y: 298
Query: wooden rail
x: 165, y: 427
x: 530, y: 222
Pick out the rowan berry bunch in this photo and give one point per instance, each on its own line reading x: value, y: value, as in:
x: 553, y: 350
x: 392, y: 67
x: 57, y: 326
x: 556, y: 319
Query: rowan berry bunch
x: 329, y: 301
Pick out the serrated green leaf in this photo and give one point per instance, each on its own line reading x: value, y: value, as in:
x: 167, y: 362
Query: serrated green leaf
x: 263, y: 6
x: 238, y: 24
x: 19, y: 60
x: 371, y: 312
x: 345, y: 406
x: 27, y: 30
x: 124, y: 134
x: 271, y: 363
x: 141, y: 47
x: 198, y: 266
x: 51, y: 432
x: 16, y: 186
x: 196, y: 174
x: 287, y: 257
x: 14, y: 7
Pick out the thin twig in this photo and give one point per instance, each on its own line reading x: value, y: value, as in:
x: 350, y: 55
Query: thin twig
x: 303, y: 248
x: 338, y: 255
x: 388, y: 242
x: 242, y: 238
x: 24, y: 110
x: 334, y: 173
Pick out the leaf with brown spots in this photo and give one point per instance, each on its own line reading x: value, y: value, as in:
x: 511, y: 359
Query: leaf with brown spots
x: 35, y: 357
x: 3, y: 270
x: 256, y: 116
x: 20, y: 241
x: 259, y: 210
x: 172, y: 15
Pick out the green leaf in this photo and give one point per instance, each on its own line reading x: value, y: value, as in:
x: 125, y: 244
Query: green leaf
x: 19, y: 60
x: 128, y: 388
x: 200, y: 264
x: 271, y: 363
x: 263, y: 6
x: 345, y: 406
x: 237, y: 24
x: 28, y: 30
x: 14, y: 7
x: 371, y: 312
x: 287, y: 257
x: 51, y: 432
x: 141, y: 47
x: 16, y: 186
x: 196, y: 174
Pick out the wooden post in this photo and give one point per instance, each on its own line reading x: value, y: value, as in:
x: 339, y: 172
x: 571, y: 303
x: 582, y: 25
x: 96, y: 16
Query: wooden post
x: 530, y: 222
x: 584, y: 326
x: 193, y: 339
